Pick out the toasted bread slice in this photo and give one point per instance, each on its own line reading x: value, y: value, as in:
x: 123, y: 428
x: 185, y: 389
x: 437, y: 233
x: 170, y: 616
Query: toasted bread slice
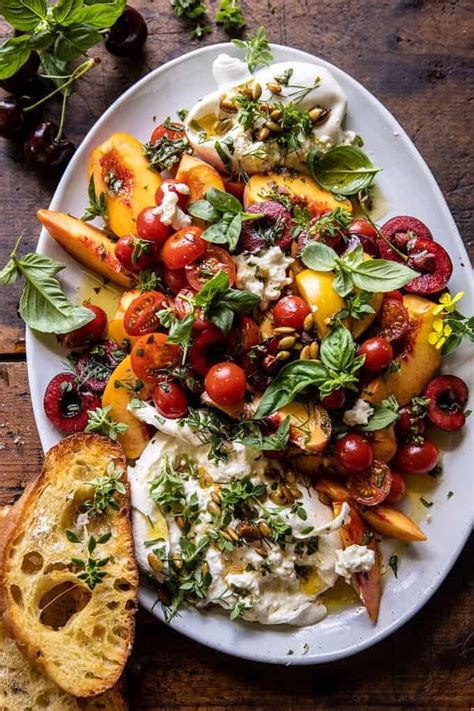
x: 80, y: 634
x: 24, y: 686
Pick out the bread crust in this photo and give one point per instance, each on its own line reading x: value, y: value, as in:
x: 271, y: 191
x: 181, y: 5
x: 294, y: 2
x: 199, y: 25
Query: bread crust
x: 73, y: 655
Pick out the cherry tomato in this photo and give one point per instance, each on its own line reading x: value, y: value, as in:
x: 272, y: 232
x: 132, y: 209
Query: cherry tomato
x: 184, y: 307
x: 354, y: 452
x: 335, y: 400
x: 206, y: 350
x: 393, y: 320
x: 170, y: 399
x: 141, y: 316
x: 409, y: 424
x: 183, y: 248
x: 170, y: 186
x: 225, y: 384
x: 174, y: 131
x: 397, y: 490
x: 291, y: 311
x: 152, y: 353
x: 150, y: 227
x: 214, y: 260
x: 378, y: 353
x: 88, y: 334
x: 371, y: 487
x: 135, y: 254
x: 249, y: 333
x: 394, y: 294
x: 417, y: 458
x: 175, y: 279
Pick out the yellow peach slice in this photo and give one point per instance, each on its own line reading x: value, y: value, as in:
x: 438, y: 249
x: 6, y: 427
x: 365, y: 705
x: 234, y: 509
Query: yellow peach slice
x: 198, y: 176
x: 391, y: 522
x: 301, y: 188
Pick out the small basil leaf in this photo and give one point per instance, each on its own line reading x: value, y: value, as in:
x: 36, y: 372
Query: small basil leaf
x: 382, y: 275
x: 384, y: 415
x: 13, y: 55
x: 9, y: 273
x: 218, y: 284
x: 64, y: 9
x: 291, y: 379
x: 233, y: 232
x: 238, y: 300
x: 98, y: 15
x: 45, y: 308
x: 180, y: 330
x: 319, y: 256
x: 343, y: 283
x: 221, y: 316
x: 74, y: 40
x: 224, y: 156
x: 217, y: 234
x: 344, y: 170
x: 337, y: 348
x: 224, y: 202
x: 24, y: 14
x: 204, y: 211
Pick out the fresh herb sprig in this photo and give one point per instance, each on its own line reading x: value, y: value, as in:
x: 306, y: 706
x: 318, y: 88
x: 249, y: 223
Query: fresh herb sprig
x: 106, y: 488
x: 220, y: 303
x: 385, y: 414
x: 276, y: 441
x: 99, y: 421
x: 97, y: 205
x: 343, y: 170
x: 91, y: 566
x: 257, y: 50
x: 229, y: 14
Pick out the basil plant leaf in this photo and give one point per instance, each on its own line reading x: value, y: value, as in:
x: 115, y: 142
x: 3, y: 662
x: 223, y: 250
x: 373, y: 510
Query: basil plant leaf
x: 291, y: 379
x: 13, y: 55
x: 217, y: 234
x: 344, y: 170
x: 319, y: 256
x: 45, y: 307
x: 382, y: 275
x: 9, y: 274
x: 204, y: 211
x: 224, y: 202
x: 24, y: 14
x: 337, y: 349
x: 276, y: 441
x: 74, y: 40
x: 98, y: 15
x: 384, y: 415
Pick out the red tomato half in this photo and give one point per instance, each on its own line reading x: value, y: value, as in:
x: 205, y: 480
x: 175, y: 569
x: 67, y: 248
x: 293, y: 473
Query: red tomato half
x: 174, y: 131
x: 151, y: 354
x: 183, y: 248
x: 183, y: 305
x: 372, y: 486
x: 141, y: 316
x: 215, y: 260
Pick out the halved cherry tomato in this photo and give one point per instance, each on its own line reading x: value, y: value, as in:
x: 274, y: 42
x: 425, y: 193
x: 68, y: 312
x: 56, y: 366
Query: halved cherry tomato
x: 183, y: 248
x: 175, y: 279
x: 393, y: 320
x: 183, y: 305
x: 225, y: 383
x: 170, y: 399
x: 151, y: 354
x: 371, y: 487
x: 206, y: 350
x: 141, y: 316
x: 150, y: 227
x: 215, y: 260
x: 397, y: 490
x: 170, y: 186
x: 173, y: 130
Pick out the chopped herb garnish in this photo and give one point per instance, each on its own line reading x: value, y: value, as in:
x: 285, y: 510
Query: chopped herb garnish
x: 393, y: 563
x: 426, y: 504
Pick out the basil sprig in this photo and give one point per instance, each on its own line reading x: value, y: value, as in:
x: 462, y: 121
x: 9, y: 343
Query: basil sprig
x: 385, y: 414
x: 225, y: 213
x: 335, y: 369
x: 273, y: 442
x: 43, y: 304
x: 220, y: 303
x: 344, y: 170
x: 352, y: 270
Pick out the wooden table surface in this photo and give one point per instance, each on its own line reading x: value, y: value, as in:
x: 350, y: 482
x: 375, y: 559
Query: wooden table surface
x: 417, y: 57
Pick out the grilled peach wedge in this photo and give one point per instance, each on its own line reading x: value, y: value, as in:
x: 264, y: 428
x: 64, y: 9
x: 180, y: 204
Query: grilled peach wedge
x: 310, y: 425
x: 122, y: 173
x: 115, y: 327
x: 88, y: 244
x: 301, y: 188
x: 198, y: 176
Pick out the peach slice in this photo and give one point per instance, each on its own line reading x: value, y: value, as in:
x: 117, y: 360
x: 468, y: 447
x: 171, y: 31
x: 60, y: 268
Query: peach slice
x: 117, y: 395
x: 115, y: 328
x: 122, y: 172
x: 391, y: 522
x: 384, y: 443
x: 86, y: 243
x: 310, y: 425
x: 198, y: 176
x: 418, y: 361
x: 333, y: 489
x: 299, y: 187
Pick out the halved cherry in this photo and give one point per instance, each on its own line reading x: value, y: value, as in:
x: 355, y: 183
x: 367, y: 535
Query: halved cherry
x: 207, y: 349
x: 393, y: 320
x: 66, y: 406
x: 448, y: 396
x: 152, y: 353
x: 399, y: 231
x: 371, y: 486
x: 141, y: 317
x: 434, y: 264
x: 213, y: 261
x: 273, y: 228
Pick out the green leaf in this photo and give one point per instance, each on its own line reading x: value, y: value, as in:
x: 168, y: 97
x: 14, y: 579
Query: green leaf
x: 218, y: 283
x: 338, y: 348
x: 217, y: 234
x: 273, y: 442
x: 291, y: 379
x: 54, y: 66
x: 71, y: 536
x: 221, y: 316
x: 233, y: 232
x: 13, y: 55
x: 318, y: 256
x: 343, y: 282
x: 203, y: 210
x: 64, y: 9
x: 239, y: 300
x: 384, y: 415
x: 382, y: 275
x: 75, y: 40
x: 257, y: 49
x: 99, y: 15
x: 9, y: 273
x: 344, y: 170
x: 180, y: 330
x: 224, y: 202
x: 23, y: 14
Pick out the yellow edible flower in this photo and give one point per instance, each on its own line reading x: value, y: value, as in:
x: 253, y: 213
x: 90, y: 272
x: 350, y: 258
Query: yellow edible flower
x: 440, y: 333
x: 447, y: 304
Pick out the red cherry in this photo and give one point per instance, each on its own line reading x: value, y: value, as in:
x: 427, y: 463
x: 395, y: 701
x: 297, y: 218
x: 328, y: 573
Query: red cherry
x: 334, y: 401
x: 354, y: 452
x: 378, y: 353
x: 65, y: 406
x: 291, y: 311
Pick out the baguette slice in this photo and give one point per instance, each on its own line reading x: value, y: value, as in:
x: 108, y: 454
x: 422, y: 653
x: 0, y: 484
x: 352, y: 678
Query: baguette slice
x: 80, y: 637
x: 24, y: 686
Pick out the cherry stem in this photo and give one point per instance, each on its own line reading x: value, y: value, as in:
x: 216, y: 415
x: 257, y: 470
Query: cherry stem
x: 76, y: 74
x: 381, y: 234
x: 63, y: 116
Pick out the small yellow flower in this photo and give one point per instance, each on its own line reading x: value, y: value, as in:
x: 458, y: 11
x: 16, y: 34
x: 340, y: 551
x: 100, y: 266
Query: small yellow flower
x: 440, y: 333
x: 447, y: 304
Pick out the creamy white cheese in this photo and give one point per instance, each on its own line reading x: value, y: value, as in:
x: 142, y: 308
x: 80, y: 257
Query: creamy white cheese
x: 264, y: 274
x: 267, y: 586
x: 354, y: 559
x: 359, y: 414
x: 169, y: 210
x: 320, y: 89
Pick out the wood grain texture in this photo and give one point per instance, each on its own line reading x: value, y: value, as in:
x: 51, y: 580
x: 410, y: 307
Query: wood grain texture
x: 417, y: 57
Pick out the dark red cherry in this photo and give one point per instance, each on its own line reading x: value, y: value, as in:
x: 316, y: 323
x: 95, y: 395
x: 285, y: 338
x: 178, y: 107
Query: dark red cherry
x: 44, y: 152
x: 25, y: 74
x: 128, y: 35
x: 12, y: 118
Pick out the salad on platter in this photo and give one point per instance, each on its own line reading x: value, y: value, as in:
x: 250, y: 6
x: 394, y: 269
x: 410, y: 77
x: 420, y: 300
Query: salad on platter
x: 271, y: 364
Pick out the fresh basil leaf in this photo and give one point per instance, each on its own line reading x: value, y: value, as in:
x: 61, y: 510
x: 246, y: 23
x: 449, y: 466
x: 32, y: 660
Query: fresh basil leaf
x: 217, y: 234
x: 13, y: 55
x: 337, y: 348
x: 274, y: 442
x: 9, y: 273
x: 180, y: 330
x: 24, y: 14
x: 233, y: 232
x: 239, y: 300
x: 203, y: 210
x: 319, y: 256
x: 98, y: 15
x: 224, y: 202
x: 382, y: 275
x: 384, y: 415
x: 291, y: 379
x: 224, y: 156
x: 343, y: 282
x: 63, y: 10
x: 344, y: 170
x: 74, y: 40
x: 221, y: 316
x: 218, y: 284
